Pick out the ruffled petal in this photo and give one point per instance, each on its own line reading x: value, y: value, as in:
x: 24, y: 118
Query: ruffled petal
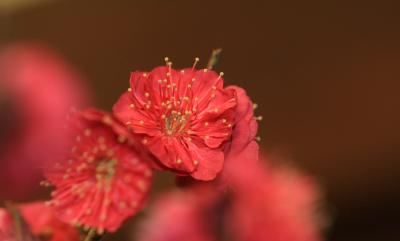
x: 209, y: 162
x: 173, y: 153
x: 135, y: 116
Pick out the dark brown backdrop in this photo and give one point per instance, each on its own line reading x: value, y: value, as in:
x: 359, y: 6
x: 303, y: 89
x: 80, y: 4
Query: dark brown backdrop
x: 326, y: 75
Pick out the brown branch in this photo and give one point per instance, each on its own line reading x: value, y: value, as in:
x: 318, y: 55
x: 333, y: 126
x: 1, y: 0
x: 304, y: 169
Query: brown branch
x: 92, y: 235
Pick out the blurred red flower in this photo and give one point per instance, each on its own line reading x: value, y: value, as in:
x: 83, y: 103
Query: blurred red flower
x: 45, y: 225
x: 178, y: 216
x: 185, y: 118
x: 104, y: 178
x: 37, y: 89
x: 34, y: 222
x: 274, y: 204
x: 7, y: 230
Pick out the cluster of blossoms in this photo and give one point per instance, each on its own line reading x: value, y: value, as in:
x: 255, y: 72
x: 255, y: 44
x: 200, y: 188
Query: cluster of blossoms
x: 183, y: 121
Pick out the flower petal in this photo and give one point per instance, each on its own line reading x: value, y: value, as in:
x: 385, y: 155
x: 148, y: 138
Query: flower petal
x: 209, y: 161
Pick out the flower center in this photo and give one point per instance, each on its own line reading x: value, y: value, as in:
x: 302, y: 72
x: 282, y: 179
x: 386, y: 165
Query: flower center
x: 105, y: 170
x: 176, y: 123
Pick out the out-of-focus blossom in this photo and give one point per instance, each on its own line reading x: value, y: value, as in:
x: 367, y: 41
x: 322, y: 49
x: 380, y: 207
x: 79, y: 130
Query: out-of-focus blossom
x: 180, y: 216
x: 186, y: 117
x: 37, y: 89
x: 34, y: 222
x: 7, y: 229
x: 104, y: 178
x: 45, y: 225
x: 273, y: 204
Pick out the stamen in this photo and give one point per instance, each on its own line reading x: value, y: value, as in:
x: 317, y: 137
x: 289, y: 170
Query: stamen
x: 196, y: 60
x: 87, y: 132
x: 147, y: 173
x: 45, y: 183
x: 220, y: 75
x: 141, y: 185
x: 107, y: 120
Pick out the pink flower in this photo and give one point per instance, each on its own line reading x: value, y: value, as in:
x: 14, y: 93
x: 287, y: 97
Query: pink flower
x: 243, y: 148
x: 37, y: 89
x: 45, y: 225
x: 185, y: 117
x: 179, y: 216
x: 105, y: 177
x: 274, y: 204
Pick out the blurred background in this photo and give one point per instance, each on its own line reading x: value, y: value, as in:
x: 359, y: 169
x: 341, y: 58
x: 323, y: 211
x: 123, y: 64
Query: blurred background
x: 325, y: 74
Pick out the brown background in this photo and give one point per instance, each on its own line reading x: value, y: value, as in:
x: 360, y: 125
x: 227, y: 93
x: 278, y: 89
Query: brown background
x: 326, y: 75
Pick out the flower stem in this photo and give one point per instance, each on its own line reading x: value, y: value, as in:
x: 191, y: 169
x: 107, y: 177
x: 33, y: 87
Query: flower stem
x: 22, y: 231
x: 16, y: 219
x: 91, y: 235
